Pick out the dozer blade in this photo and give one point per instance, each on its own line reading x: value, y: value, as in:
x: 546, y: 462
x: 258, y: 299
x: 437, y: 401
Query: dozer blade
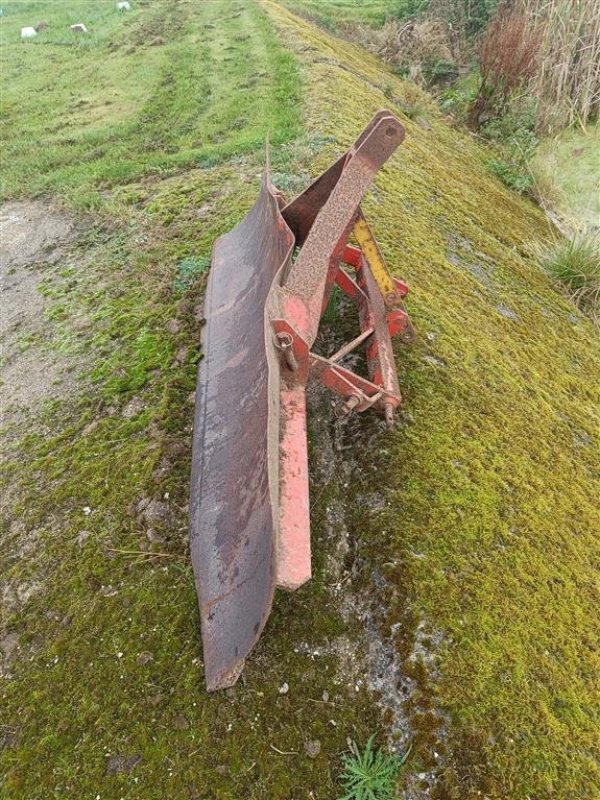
x: 235, y: 454
x: 249, y: 517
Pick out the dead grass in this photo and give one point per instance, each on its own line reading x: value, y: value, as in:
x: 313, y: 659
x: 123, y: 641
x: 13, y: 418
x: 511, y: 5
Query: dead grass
x: 567, y: 81
x: 409, y: 42
x: 507, y: 60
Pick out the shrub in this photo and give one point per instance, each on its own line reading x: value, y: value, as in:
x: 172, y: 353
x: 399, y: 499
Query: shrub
x: 413, y: 101
x: 438, y: 70
x: 512, y: 171
x: 517, y: 142
x: 404, y: 9
x: 464, y: 20
x: 575, y: 263
x: 406, y: 45
x: 507, y: 60
x: 553, y: 46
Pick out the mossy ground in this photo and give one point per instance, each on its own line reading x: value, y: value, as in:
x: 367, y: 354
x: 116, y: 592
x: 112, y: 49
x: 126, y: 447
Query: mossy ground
x: 487, y: 534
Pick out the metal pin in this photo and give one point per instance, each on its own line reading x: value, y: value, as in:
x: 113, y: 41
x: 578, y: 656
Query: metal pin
x: 285, y: 342
x: 388, y: 412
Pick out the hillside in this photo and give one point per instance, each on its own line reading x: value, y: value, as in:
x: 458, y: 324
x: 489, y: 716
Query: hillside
x: 454, y: 601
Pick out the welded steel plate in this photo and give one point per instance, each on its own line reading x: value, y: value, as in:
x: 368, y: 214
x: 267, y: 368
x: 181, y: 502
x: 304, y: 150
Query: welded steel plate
x: 233, y: 496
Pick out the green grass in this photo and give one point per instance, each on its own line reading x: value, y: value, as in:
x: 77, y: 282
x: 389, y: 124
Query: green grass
x: 155, y: 93
x: 575, y: 263
x: 334, y: 14
x: 567, y: 168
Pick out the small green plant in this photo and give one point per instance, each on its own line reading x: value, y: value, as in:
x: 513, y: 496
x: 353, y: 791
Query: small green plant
x: 512, y: 172
x: 513, y: 132
x: 438, y: 70
x: 388, y: 90
x: 412, y: 103
x: 188, y: 270
x: 371, y: 774
x: 288, y: 182
x: 576, y: 264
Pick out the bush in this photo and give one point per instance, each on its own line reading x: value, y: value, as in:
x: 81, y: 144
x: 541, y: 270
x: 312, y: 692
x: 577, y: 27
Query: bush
x: 407, y: 45
x: 507, y: 60
x: 575, y: 264
x: 517, y: 142
x: 438, y: 70
x: 404, y: 9
x: 464, y: 21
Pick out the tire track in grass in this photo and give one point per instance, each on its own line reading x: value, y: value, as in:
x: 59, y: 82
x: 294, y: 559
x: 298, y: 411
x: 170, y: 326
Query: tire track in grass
x: 207, y: 89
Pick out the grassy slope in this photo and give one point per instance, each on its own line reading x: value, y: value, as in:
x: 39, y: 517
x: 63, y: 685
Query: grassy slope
x: 490, y: 533
x: 335, y: 13
x: 488, y: 483
x: 568, y: 169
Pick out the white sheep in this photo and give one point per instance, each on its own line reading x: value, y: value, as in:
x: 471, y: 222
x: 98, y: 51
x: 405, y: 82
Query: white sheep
x: 79, y: 27
x: 28, y: 33
x: 123, y: 6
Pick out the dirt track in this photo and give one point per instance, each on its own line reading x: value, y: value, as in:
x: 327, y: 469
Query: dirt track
x: 33, y: 238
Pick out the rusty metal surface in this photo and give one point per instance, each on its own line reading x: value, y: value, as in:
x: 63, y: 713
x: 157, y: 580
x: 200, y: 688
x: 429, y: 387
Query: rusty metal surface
x: 233, y: 493
x: 301, y: 212
x: 380, y: 354
x: 293, y: 544
x: 249, y: 515
x: 315, y: 268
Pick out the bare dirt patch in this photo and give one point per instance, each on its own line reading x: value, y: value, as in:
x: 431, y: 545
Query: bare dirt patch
x: 33, y: 237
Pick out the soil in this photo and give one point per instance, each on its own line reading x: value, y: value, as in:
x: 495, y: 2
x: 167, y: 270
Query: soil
x: 33, y: 239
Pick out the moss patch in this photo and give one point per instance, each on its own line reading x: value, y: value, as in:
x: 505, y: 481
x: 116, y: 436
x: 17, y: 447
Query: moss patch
x: 487, y: 542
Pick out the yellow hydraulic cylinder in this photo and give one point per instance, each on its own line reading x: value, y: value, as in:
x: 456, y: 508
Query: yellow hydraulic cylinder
x: 370, y: 250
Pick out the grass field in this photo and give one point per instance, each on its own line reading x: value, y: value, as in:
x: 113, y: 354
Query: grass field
x: 334, y: 14
x: 155, y: 92
x: 567, y: 167
x: 462, y: 616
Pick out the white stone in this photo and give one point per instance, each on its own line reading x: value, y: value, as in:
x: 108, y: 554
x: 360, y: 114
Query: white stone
x: 28, y: 33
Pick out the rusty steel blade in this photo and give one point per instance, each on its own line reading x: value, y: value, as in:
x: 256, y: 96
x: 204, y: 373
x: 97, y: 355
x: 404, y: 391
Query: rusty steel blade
x: 234, y: 490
